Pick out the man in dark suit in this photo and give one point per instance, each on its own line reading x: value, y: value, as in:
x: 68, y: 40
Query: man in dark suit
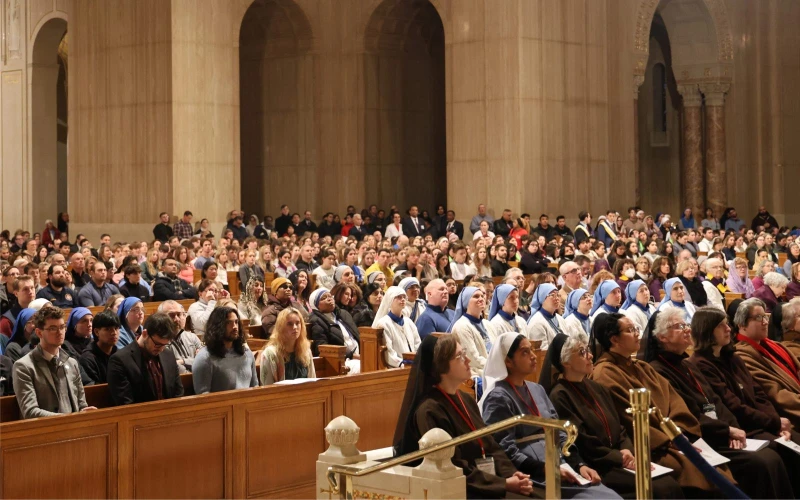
x: 145, y: 370
x: 503, y: 225
x: 449, y: 224
x: 413, y: 225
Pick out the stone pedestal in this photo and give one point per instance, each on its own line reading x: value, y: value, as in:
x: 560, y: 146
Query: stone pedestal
x: 692, y: 177
x: 716, y: 172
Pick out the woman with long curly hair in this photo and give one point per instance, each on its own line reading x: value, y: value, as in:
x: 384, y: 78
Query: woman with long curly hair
x: 253, y: 302
x: 287, y: 355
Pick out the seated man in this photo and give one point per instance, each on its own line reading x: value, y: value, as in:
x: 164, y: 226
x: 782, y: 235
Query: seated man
x: 132, y: 284
x: 186, y: 344
x: 56, y: 290
x: 224, y: 364
x: 168, y: 286
x: 436, y: 317
x: 94, y: 360
x: 47, y: 381
x: 24, y: 290
x: 144, y: 370
x: 500, y: 264
x: 80, y: 278
x: 97, y: 291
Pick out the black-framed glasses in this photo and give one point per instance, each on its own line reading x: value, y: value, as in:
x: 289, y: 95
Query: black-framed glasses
x: 159, y: 345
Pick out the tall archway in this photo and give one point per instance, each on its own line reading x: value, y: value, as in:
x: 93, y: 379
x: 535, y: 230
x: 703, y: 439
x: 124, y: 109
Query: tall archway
x: 404, y: 129
x: 49, y: 124
x: 278, y: 155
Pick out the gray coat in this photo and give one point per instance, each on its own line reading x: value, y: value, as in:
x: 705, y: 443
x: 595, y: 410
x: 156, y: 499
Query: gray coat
x: 35, y: 388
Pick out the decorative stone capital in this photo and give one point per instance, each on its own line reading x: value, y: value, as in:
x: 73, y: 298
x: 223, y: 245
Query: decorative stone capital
x: 437, y: 465
x: 342, y: 435
x: 638, y: 80
x: 715, y: 92
x: 691, y: 95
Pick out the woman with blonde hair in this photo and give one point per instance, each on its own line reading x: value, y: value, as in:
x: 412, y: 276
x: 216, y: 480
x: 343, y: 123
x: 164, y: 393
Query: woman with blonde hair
x: 253, y: 302
x: 481, y: 262
x: 224, y: 264
x: 264, y: 260
x: 151, y: 266
x: 287, y: 355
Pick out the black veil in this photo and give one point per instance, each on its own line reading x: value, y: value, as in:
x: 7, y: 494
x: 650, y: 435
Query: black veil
x: 420, y: 382
x: 552, y: 367
x: 648, y: 346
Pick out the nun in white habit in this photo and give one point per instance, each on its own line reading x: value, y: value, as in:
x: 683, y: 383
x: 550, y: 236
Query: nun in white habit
x: 400, y: 333
x: 503, y: 311
x: 637, y: 305
x: 576, y: 312
x: 545, y: 322
x: 414, y: 308
x: 474, y: 334
x: 607, y: 299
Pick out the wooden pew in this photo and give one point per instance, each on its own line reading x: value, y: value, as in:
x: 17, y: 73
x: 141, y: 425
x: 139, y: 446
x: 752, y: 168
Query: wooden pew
x: 730, y: 297
x: 261, y: 442
x: 149, y: 308
x: 741, y: 255
x: 372, y: 349
x: 513, y: 263
x: 782, y: 257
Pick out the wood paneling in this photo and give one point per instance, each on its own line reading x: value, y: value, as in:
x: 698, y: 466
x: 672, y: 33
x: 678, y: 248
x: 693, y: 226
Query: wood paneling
x: 377, y: 408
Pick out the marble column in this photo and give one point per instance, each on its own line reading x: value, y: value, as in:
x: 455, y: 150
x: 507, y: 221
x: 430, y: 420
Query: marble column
x: 692, y: 178
x: 716, y: 172
x: 638, y: 80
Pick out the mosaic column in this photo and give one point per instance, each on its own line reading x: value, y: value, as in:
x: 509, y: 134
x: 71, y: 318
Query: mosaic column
x: 716, y: 172
x: 692, y: 177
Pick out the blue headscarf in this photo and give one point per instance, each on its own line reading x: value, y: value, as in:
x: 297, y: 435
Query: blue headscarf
x: 630, y: 293
x: 539, y: 296
x: 501, y: 293
x: 76, y: 315
x: 668, y: 289
x: 125, y: 335
x: 18, y: 335
x: 601, y: 294
x: 571, y: 308
x: 461, y: 305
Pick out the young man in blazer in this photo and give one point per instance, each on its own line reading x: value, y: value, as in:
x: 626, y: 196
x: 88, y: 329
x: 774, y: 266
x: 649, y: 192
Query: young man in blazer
x: 146, y: 370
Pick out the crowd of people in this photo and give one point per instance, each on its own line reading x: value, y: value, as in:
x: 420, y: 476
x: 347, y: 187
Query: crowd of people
x: 617, y: 305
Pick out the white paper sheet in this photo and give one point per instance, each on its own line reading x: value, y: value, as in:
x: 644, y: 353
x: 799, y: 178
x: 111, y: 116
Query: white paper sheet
x: 658, y: 470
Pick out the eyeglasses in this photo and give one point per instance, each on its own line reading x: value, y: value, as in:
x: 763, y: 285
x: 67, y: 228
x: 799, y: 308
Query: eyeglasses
x: 56, y: 329
x: 137, y: 310
x: 584, y: 352
x: 633, y: 329
x: 462, y: 356
x: 159, y: 345
x: 761, y: 317
x: 577, y: 269
x: 679, y: 326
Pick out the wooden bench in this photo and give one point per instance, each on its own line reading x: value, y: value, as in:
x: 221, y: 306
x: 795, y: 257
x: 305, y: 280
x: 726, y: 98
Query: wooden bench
x: 730, y: 297
x: 782, y: 258
x: 234, y: 287
x: 149, y: 308
x: 741, y: 255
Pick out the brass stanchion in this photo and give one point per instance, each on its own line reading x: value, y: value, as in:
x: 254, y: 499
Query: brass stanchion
x: 640, y: 409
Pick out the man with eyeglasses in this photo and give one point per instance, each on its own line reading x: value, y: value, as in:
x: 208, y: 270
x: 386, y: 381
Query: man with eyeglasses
x: 771, y: 364
x: 570, y: 272
x: 186, y: 344
x: 146, y: 370
x: 47, y: 381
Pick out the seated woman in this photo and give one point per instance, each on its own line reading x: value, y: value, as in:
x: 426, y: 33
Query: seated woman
x: 793, y: 288
x: 331, y: 325
x: 616, y: 339
x: 253, y: 302
x: 400, y: 335
x: 607, y: 299
x: 508, y: 394
x: 532, y: 260
x: 545, y: 322
x: 378, y: 278
x: 473, y: 333
x: 637, y: 306
x: 726, y: 374
x: 201, y: 310
x: 131, y: 318
x: 762, y: 268
x: 714, y: 284
x: 771, y: 365
x: 364, y: 312
x: 624, y: 271
x: 503, y: 311
x: 432, y: 400
x: 790, y: 326
x: 660, y: 272
x: 414, y: 305
x: 772, y: 291
x: 287, y: 355
x: 576, y: 312
x: 760, y: 474
x: 344, y: 274
x: 302, y: 288
x: 686, y: 271
x: 604, y: 443
x: 250, y: 269
x: 285, y: 265
x: 676, y: 298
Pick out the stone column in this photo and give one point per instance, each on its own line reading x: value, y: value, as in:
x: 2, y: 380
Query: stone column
x: 692, y: 178
x: 716, y: 172
x: 638, y: 80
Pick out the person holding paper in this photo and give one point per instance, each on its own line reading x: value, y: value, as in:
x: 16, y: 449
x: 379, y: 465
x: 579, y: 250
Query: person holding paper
x: 604, y: 442
x: 715, y: 356
x: 506, y: 394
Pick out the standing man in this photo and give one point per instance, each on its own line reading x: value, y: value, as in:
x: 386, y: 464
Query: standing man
x: 449, y: 225
x: 183, y: 228
x: 307, y: 225
x: 224, y: 364
x: 605, y: 230
x: 162, y: 232
x: 413, y: 225
x: 503, y: 226
x: 358, y: 230
x: 47, y: 381
x: 475, y: 224
x: 583, y: 231
x: 283, y: 222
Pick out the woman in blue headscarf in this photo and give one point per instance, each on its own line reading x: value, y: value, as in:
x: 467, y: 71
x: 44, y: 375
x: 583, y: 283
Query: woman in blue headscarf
x: 23, y: 329
x: 637, y: 305
x: 474, y: 334
x: 576, y: 312
x: 131, y: 318
x: 545, y: 322
x: 676, y: 297
x: 607, y: 299
x: 414, y: 305
x: 503, y: 311
x: 79, y: 332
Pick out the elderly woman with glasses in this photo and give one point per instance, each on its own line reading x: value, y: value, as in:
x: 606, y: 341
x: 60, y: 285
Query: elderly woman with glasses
x: 616, y: 340
x: 772, y: 292
x: 760, y: 474
x: 770, y: 363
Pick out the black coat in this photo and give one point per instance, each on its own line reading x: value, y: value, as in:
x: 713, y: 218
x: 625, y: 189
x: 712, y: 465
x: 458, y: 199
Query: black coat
x: 165, y: 288
x: 137, y: 290
x: 129, y: 381
x: 323, y: 331
x: 458, y: 228
x: 502, y: 228
x: 410, y: 230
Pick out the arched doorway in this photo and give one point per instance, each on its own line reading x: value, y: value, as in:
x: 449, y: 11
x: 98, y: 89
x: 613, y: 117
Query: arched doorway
x: 49, y: 121
x: 276, y: 100
x: 404, y: 128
